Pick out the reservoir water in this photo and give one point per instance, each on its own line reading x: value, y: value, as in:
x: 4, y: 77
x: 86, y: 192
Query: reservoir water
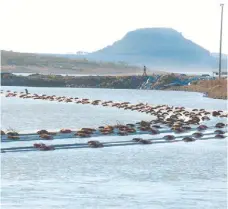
x: 160, y: 176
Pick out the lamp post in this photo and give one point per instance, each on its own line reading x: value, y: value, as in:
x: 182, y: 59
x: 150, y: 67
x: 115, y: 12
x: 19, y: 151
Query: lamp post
x: 220, y: 47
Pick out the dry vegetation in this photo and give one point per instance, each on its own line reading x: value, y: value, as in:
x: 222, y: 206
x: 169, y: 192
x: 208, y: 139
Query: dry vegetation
x: 216, y: 89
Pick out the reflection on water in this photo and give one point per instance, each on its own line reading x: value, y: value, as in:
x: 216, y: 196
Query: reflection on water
x: 160, y: 176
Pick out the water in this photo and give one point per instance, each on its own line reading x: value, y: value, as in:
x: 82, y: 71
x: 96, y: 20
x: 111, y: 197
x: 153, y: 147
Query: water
x: 199, y: 73
x: 178, y: 72
x: 160, y: 176
x: 76, y: 75
x: 23, y: 74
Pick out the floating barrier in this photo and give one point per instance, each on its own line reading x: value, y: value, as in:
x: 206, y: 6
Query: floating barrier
x: 110, y: 144
x: 153, y: 139
x: 122, y: 130
x: 156, y: 110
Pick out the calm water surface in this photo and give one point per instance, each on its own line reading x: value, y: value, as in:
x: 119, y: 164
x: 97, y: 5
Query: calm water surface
x: 76, y: 75
x: 161, y: 176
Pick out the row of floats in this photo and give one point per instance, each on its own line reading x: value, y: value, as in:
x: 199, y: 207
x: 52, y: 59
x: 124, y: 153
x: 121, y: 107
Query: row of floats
x: 164, y: 113
x: 142, y: 127
x: 135, y: 141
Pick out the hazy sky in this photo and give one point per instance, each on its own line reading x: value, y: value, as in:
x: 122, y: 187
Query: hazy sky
x: 67, y: 26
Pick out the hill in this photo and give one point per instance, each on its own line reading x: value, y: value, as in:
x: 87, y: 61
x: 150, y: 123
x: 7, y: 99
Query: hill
x: 156, y: 47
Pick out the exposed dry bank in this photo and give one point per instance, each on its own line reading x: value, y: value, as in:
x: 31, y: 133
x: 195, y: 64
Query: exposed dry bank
x: 216, y: 89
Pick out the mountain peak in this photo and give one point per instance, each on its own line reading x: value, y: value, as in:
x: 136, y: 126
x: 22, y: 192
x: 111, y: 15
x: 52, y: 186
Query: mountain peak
x: 157, y: 30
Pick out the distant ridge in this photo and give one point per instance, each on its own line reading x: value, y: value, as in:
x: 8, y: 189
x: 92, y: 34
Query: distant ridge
x: 46, y: 63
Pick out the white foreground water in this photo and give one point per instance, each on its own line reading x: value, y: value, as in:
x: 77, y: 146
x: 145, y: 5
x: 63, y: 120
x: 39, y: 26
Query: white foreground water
x: 159, y: 176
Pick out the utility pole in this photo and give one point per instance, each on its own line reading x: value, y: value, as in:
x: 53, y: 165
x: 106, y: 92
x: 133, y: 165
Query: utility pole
x: 220, y: 47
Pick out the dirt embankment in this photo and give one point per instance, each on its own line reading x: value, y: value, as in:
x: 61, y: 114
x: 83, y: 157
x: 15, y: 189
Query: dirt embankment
x: 216, y: 89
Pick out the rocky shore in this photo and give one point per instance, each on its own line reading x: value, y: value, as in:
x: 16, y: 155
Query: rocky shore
x: 38, y: 80
x: 154, y: 81
x: 213, y: 88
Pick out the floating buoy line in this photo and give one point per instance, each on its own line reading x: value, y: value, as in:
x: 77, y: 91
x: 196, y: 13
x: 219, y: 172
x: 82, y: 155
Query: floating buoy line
x: 173, y: 120
x: 97, y: 144
x: 118, y: 130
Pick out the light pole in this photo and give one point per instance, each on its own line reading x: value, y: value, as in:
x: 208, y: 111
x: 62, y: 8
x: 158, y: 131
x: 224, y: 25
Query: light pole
x: 220, y: 47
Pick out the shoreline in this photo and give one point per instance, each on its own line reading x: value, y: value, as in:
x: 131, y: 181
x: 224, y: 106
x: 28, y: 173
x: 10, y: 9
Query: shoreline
x: 216, y: 89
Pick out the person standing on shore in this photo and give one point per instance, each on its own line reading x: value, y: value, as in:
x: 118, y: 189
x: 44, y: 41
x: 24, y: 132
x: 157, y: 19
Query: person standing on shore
x: 26, y: 91
x: 144, y: 71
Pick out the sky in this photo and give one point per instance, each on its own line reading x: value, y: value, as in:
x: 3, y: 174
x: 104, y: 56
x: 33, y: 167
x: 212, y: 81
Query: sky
x: 68, y: 26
